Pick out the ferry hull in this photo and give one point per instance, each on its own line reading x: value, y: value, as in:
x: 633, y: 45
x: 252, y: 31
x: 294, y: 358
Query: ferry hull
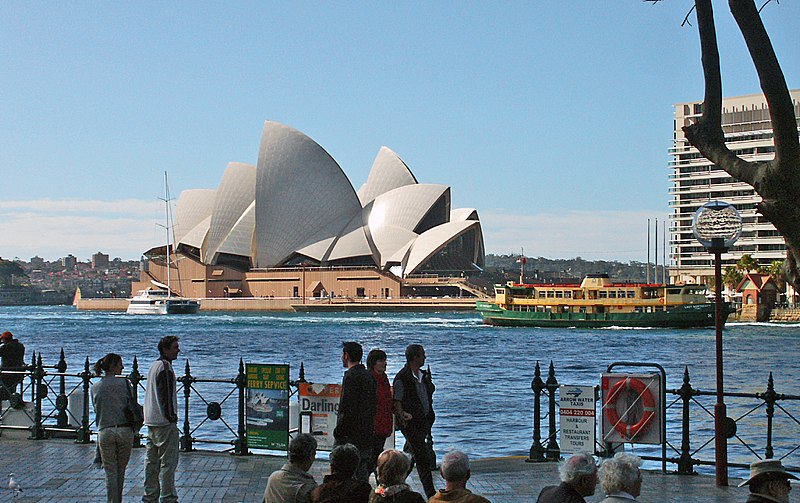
x: 683, y: 316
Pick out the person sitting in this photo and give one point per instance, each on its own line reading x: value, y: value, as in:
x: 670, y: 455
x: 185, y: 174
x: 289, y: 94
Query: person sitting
x: 292, y: 483
x: 455, y: 471
x: 621, y: 478
x: 340, y: 486
x: 769, y: 482
x: 578, y: 479
x: 392, y: 470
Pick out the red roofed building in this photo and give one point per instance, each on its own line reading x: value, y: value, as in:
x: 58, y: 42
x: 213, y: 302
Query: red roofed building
x: 759, y: 294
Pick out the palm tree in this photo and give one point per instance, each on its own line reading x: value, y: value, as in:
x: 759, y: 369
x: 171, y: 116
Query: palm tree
x: 732, y: 276
x: 747, y: 263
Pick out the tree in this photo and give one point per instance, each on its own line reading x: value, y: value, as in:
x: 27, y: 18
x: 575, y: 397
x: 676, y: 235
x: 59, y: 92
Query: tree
x: 8, y: 271
x: 776, y: 181
x: 732, y: 277
x: 775, y: 269
x: 747, y: 263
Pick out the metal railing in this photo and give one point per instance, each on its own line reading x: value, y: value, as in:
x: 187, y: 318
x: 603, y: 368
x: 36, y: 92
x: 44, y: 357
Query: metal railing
x: 213, y: 408
x: 689, y: 417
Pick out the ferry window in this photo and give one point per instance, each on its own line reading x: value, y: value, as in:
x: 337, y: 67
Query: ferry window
x: 542, y: 294
x: 631, y: 294
x: 539, y: 309
x: 550, y: 294
x: 559, y: 294
x: 499, y: 291
x: 603, y: 294
x: 621, y: 294
x: 548, y: 309
x: 565, y: 309
x: 612, y: 294
x: 638, y: 309
x: 568, y: 294
x: 582, y: 310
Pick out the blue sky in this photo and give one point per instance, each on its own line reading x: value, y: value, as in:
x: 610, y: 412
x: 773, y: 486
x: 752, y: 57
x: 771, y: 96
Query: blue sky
x: 553, y: 119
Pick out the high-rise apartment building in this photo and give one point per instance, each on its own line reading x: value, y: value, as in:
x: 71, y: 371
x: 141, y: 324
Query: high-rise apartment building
x: 696, y: 181
x: 99, y: 261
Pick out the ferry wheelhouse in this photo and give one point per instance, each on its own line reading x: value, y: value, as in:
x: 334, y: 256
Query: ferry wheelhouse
x: 599, y: 302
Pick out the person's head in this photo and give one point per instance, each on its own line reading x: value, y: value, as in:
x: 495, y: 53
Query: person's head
x: 351, y: 353
x: 415, y: 355
x: 621, y: 473
x: 393, y: 467
x: 6, y: 337
x: 769, y: 477
x: 455, y: 468
x: 344, y: 460
x: 302, y: 451
x: 579, y: 471
x: 110, y: 364
x: 168, y: 347
x: 376, y: 358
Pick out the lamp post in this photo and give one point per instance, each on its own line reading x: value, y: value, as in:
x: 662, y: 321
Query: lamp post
x: 717, y: 225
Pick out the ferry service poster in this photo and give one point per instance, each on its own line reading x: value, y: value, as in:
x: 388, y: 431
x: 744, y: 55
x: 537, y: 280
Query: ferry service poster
x: 267, y: 406
x: 320, y: 403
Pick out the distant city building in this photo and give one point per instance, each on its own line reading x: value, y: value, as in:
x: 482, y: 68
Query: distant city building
x: 69, y: 262
x: 99, y: 261
x: 696, y: 181
x: 37, y: 262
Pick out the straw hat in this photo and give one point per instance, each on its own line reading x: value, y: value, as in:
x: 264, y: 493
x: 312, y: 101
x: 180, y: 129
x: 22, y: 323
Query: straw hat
x: 767, y: 467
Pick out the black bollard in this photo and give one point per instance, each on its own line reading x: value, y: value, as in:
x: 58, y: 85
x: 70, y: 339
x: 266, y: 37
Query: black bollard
x: 84, y: 434
x: 553, y: 451
x: 537, y: 385
x: 61, y: 401
x: 769, y: 398
x: 40, y: 390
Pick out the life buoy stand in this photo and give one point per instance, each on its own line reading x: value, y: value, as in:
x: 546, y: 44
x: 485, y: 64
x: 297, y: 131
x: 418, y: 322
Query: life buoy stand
x: 630, y: 431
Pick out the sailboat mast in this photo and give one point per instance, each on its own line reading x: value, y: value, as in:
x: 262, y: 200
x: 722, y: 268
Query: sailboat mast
x: 166, y: 227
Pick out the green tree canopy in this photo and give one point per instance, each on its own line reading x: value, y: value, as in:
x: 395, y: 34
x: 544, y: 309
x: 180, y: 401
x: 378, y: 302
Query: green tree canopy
x: 732, y: 276
x: 8, y: 270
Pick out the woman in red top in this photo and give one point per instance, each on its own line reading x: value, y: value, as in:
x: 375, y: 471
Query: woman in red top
x: 376, y: 364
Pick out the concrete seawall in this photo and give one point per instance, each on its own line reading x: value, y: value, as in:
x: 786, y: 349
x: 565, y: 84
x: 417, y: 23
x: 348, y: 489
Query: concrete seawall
x: 785, y: 315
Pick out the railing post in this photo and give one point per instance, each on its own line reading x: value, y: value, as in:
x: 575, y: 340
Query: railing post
x: 135, y: 378
x: 241, y: 448
x: 302, y: 376
x: 769, y: 397
x: 553, y: 451
x: 685, y: 462
x: 61, y: 401
x: 186, y: 438
x: 38, y: 377
x: 84, y: 435
x: 537, y: 385
x: 33, y: 377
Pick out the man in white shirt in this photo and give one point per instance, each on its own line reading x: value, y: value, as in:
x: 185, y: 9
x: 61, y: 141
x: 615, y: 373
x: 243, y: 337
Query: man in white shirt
x: 161, y: 418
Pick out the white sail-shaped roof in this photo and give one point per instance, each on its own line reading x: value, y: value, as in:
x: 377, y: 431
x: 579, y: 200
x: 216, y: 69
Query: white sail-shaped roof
x: 197, y: 236
x: 193, y: 207
x: 352, y: 241
x: 464, y: 214
x: 302, y: 195
x: 406, y: 207
x: 388, y: 172
x: 239, y: 240
x: 235, y: 194
x: 430, y: 242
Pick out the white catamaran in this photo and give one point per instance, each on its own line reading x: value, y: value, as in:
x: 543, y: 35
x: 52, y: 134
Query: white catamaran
x: 160, y: 300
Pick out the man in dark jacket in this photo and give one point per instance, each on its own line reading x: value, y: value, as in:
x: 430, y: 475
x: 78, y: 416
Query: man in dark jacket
x: 578, y: 479
x: 12, y: 357
x: 357, y: 406
x: 413, y: 409
x: 340, y: 486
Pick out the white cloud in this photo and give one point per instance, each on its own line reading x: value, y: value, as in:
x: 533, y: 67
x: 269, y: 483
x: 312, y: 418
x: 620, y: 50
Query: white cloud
x: 56, y: 228
x: 592, y: 235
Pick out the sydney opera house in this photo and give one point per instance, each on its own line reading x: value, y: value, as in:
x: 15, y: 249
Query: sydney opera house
x: 293, y: 226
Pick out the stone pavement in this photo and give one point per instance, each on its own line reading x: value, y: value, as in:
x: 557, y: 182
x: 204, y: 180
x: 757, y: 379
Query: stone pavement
x: 62, y: 471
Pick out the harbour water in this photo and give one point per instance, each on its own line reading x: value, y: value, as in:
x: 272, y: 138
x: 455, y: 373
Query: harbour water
x: 483, y: 374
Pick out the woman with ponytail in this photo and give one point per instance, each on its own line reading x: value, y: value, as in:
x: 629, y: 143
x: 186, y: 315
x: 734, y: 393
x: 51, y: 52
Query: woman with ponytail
x: 112, y: 397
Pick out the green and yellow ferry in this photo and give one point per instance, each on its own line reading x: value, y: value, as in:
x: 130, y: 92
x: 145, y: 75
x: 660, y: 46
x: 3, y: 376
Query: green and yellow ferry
x: 599, y: 302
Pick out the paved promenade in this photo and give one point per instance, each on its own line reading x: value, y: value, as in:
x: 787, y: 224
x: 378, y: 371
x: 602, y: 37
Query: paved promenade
x: 61, y: 471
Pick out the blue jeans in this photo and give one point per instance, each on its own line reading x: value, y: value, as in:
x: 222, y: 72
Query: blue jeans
x: 160, y: 464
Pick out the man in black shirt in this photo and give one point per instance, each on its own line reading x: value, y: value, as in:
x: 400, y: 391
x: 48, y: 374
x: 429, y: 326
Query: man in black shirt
x: 413, y: 410
x: 12, y: 357
x: 356, y: 418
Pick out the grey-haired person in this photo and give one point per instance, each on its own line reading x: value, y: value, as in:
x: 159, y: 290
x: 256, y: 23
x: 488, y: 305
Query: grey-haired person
x: 578, y: 479
x: 456, y: 472
x: 621, y: 478
x: 292, y: 483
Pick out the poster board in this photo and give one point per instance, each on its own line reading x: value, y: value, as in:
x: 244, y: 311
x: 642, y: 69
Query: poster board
x: 319, y: 408
x: 577, y: 421
x: 267, y: 406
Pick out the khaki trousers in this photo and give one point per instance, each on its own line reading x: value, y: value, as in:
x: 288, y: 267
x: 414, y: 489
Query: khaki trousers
x: 160, y: 464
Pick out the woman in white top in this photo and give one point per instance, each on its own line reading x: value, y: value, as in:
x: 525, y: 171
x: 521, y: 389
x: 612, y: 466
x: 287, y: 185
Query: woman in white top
x: 112, y: 397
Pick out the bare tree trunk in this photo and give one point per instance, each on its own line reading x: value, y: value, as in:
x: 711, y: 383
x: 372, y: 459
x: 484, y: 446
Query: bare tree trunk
x: 776, y: 181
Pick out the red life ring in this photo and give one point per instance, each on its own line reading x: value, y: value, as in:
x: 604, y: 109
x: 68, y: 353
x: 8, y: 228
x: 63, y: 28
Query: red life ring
x: 630, y: 431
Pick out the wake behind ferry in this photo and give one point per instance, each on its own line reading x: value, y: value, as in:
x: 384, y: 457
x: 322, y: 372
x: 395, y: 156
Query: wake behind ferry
x: 599, y: 302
